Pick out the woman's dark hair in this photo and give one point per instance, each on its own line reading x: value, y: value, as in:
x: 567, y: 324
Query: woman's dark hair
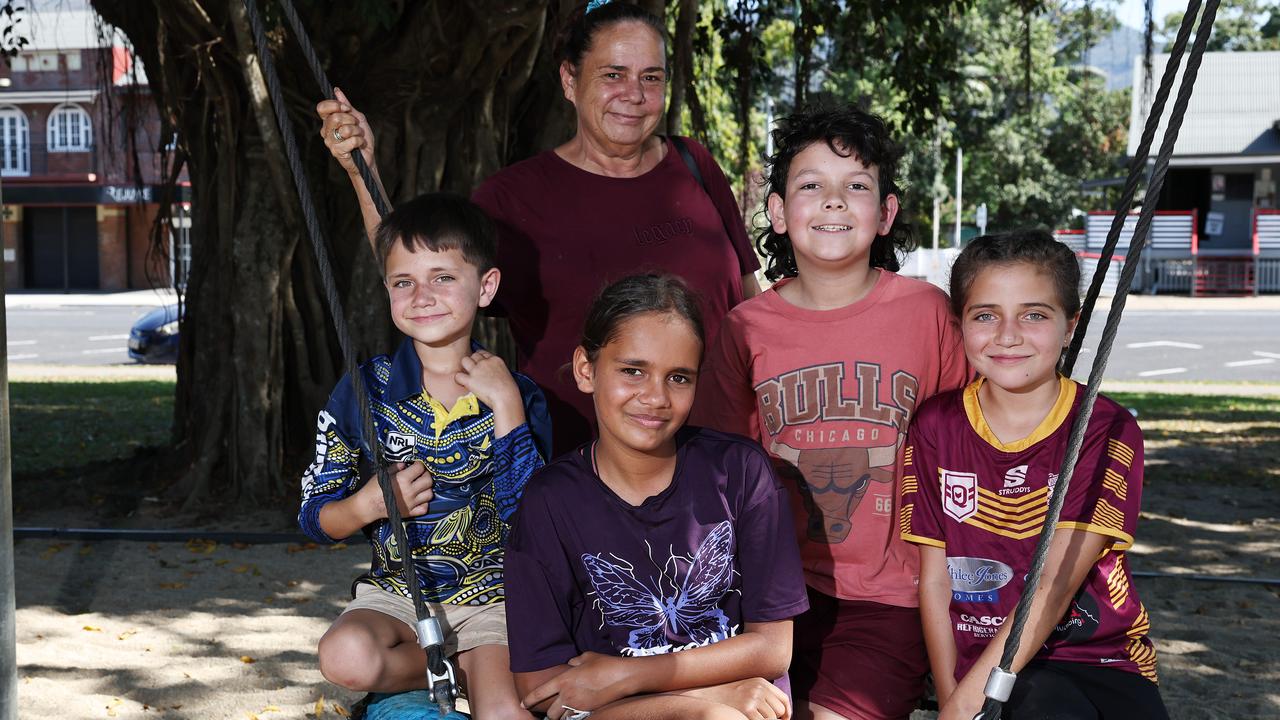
x: 439, y: 221
x: 848, y: 131
x: 579, y: 32
x: 1036, y: 248
x: 637, y: 295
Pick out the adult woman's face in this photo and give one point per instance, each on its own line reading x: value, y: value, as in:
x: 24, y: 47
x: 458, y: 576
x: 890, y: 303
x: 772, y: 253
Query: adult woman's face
x: 619, y: 89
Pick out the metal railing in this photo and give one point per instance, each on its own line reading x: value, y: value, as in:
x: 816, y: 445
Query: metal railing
x: 35, y: 160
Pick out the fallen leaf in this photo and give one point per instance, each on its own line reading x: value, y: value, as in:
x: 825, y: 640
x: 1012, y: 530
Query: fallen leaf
x: 341, y: 710
x: 221, y: 561
x: 126, y: 634
x: 152, y: 547
x: 240, y: 546
x: 86, y: 550
x: 251, y: 716
x: 296, y: 548
x: 247, y: 660
x: 301, y: 600
x: 240, y: 569
x: 319, y: 707
x: 173, y: 585
x: 337, y: 546
x: 270, y: 708
x: 201, y: 546
x: 91, y: 628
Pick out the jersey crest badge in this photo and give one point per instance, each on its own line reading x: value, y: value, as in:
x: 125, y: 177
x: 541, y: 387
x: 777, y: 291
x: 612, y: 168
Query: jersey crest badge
x: 959, y: 494
x: 398, y: 447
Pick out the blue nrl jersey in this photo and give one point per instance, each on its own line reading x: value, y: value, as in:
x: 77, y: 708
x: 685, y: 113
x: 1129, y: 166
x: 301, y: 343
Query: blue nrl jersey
x: 457, y: 546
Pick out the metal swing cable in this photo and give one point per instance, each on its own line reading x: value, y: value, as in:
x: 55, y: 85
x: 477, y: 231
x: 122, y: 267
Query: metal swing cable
x: 1000, y: 683
x: 1125, y: 204
x: 429, y: 634
x: 326, y: 89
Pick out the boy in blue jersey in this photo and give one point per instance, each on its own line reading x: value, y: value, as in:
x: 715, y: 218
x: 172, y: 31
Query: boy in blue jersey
x: 462, y: 433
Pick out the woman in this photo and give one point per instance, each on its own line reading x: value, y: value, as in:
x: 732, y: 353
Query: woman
x: 614, y: 199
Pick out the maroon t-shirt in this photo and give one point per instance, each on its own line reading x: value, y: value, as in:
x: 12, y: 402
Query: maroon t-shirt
x: 564, y: 233
x: 984, y: 502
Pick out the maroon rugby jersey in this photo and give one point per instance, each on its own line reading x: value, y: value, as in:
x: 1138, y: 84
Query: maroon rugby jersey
x: 984, y: 502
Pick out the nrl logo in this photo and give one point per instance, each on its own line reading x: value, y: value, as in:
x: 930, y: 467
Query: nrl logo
x: 959, y: 494
x: 398, y: 447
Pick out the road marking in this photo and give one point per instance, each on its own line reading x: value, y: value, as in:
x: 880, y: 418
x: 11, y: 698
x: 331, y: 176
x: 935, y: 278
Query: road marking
x: 100, y: 352
x: 1165, y: 343
x: 1166, y: 371
x: 96, y: 338
x: 1260, y: 353
x: 1243, y: 363
x: 21, y: 342
x: 23, y: 357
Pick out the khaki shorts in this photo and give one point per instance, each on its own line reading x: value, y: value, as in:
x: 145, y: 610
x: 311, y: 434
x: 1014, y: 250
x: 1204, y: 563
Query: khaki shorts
x: 464, y: 626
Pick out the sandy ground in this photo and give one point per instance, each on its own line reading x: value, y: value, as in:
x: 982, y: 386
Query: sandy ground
x: 137, y: 630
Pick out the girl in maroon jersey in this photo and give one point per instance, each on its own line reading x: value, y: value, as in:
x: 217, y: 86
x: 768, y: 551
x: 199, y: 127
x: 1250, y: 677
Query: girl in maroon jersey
x: 981, y: 464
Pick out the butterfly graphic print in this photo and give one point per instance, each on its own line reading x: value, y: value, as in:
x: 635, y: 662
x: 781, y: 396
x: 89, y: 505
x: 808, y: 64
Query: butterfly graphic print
x: 678, y: 606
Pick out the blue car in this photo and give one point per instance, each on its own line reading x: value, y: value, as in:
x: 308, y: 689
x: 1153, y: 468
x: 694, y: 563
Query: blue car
x: 154, y: 337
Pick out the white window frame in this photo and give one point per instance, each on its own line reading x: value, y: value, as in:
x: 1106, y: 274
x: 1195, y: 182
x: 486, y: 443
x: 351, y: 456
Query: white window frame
x: 63, y: 136
x: 15, y: 161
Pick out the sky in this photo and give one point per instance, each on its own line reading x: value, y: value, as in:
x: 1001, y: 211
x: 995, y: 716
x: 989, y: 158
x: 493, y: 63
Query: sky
x: 1130, y: 12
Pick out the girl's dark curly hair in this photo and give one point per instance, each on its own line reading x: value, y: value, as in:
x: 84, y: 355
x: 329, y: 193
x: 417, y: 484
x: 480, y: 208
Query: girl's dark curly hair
x: 848, y: 131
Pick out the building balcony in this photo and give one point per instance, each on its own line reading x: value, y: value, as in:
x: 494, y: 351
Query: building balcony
x: 37, y: 161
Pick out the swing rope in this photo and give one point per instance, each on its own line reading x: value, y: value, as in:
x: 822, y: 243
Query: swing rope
x: 1136, y: 166
x: 440, y: 672
x: 1001, y: 681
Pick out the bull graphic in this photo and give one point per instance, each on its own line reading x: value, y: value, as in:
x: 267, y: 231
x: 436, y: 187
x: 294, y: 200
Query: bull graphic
x: 832, y: 483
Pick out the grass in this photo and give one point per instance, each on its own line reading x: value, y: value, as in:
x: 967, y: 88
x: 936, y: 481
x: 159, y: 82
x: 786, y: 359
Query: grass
x: 72, y: 424
x: 65, y: 424
x: 1220, y: 438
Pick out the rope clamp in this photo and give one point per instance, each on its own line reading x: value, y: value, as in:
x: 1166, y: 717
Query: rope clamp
x: 999, y: 684
x: 429, y: 633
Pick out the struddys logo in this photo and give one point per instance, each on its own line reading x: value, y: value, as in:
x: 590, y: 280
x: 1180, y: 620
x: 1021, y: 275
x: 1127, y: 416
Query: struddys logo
x: 1080, y: 621
x: 398, y: 447
x: 959, y: 494
x: 977, y: 580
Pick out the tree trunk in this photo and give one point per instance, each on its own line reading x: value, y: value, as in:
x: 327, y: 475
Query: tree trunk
x: 453, y: 90
x: 682, y: 59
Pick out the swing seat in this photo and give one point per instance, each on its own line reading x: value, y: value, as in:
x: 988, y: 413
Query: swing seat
x: 412, y: 705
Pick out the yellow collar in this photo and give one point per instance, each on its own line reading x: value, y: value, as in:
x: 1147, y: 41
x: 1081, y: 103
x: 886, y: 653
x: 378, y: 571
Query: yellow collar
x: 465, y: 406
x: 1057, y: 415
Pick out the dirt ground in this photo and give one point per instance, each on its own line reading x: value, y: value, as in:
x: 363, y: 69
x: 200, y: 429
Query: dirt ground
x: 200, y: 630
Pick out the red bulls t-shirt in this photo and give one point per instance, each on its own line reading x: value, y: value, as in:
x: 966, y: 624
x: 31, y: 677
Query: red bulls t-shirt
x: 984, y: 502
x: 564, y: 233
x: 829, y: 394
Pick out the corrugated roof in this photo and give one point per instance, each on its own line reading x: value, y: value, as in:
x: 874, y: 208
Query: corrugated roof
x: 1232, y: 112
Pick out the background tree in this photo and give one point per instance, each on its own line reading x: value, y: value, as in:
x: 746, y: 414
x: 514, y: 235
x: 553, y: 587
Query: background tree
x: 456, y: 90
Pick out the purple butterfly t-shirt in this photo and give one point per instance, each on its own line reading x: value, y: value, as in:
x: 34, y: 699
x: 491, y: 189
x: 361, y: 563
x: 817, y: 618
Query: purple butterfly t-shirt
x: 586, y: 571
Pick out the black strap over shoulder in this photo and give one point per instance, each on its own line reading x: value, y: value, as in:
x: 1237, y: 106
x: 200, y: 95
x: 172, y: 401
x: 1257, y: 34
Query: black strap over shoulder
x: 683, y: 149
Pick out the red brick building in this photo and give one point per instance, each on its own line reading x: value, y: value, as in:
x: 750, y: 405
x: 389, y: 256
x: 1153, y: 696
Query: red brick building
x: 80, y: 160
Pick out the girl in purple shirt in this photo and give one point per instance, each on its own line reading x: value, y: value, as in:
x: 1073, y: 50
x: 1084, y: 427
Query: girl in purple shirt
x: 653, y: 572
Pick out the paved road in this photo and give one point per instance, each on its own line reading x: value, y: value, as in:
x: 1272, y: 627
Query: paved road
x: 1182, y: 345
x: 1153, y: 344
x: 71, y: 335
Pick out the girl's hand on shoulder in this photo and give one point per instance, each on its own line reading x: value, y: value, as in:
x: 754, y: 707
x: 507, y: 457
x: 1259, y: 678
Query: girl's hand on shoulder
x: 592, y: 681
x: 485, y: 375
x: 344, y: 131
x: 753, y: 697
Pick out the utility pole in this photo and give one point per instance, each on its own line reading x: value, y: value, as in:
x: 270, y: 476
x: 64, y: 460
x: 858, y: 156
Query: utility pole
x: 959, y: 191
x: 8, y: 608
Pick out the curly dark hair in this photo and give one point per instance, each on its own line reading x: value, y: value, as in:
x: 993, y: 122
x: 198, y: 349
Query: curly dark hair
x: 1036, y: 248
x: 848, y: 131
